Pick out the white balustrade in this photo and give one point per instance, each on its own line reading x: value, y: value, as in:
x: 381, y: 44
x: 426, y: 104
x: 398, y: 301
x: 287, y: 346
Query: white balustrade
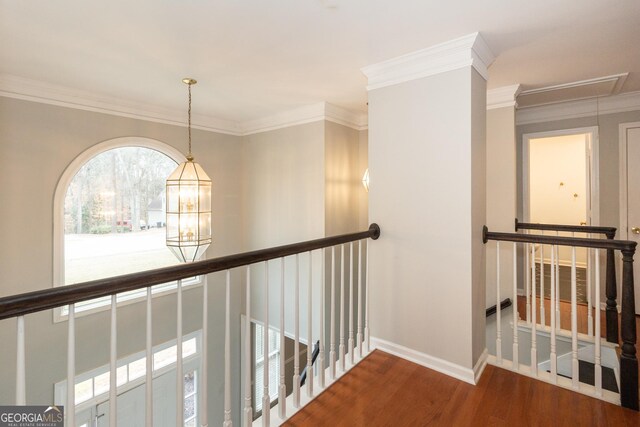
x: 179, y: 367
x: 553, y: 357
x: 557, y: 267
x: 589, y: 310
x: 296, y: 345
x: 113, y: 388
x: 21, y: 395
x: 282, y: 390
x: 366, y: 306
x: 266, y: 399
x: 204, y: 363
x: 71, y: 366
x: 498, y: 311
x: 332, y: 334
x: 148, y: 388
x: 359, y: 335
x: 597, y: 358
x: 227, y: 353
x: 534, y: 332
x: 309, y: 378
x: 542, y: 313
x: 574, y: 323
x: 527, y: 280
x: 321, y: 364
x: 248, y: 411
x: 341, y: 348
x: 351, y: 304
x: 516, y: 315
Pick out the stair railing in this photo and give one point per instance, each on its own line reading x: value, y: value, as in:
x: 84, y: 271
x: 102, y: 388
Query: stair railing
x: 18, y: 306
x: 628, y: 396
x: 611, y: 288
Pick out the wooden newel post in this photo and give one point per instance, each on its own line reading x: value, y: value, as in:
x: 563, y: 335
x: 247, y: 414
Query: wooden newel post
x: 611, y: 290
x: 628, y: 360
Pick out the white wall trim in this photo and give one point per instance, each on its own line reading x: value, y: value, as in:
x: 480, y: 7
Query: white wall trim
x: 461, y: 373
x: 503, y: 97
x: 470, y: 50
x: 478, y: 368
x: 62, y: 96
x: 307, y: 114
x: 576, y: 109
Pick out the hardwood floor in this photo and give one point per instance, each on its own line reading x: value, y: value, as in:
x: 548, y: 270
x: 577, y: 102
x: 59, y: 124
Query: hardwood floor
x: 384, y: 390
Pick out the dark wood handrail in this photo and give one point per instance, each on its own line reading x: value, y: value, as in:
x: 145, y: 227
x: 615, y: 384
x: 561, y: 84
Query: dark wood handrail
x: 628, y: 359
x: 610, y: 232
x: 31, y: 302
x: 618, y: 245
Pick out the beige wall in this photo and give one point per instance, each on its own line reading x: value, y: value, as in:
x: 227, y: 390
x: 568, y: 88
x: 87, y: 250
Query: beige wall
x: 427, y: 162
x: 37, y: 142
x: 501, y: 197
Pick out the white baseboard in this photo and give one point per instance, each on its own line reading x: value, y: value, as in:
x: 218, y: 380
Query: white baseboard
x: 451, y: 369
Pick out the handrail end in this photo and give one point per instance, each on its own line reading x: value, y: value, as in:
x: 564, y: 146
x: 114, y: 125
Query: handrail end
x: 374, y: 229
x: 485, y: 230
x: 517, y: 223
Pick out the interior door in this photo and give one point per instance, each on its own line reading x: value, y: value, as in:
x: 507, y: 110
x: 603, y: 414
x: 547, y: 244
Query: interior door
x: 633, y: 200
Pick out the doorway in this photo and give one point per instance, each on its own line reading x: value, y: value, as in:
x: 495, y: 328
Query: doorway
x: 629, y: 194
x: 560, y: 186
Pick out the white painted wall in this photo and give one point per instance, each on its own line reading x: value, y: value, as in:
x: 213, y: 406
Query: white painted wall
x: 37, y: 142
x: 501, y: 197
x: 427, y: 162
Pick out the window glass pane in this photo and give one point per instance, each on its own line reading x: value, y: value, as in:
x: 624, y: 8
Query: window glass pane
x: 101, y: 383
x: 137, y: 368
x: 190, y: 423
x: 84, y: 391
x: 121, y: 375
x: 114, y: 215
x: 189, y: 406
x: 164, y: 357
x: 190, y: 383
x: 189, y: 347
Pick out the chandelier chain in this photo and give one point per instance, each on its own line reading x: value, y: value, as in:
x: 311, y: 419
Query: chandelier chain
x: 189, y: 113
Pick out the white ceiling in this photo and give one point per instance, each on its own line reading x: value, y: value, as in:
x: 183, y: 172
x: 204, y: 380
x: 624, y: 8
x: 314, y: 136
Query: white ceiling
x: 255, y: 58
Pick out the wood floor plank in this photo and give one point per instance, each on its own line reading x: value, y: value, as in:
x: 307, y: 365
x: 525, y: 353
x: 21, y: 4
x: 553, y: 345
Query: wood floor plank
x: 384, y: 390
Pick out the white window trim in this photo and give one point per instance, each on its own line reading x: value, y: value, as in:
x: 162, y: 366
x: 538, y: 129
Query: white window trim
x: 58, y: 211
x: 60, y: 388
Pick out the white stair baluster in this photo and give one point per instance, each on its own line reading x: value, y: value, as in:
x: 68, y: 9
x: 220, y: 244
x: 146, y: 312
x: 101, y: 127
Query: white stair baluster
x: 553, y: 358
x: 323, y: 306
x: 71, y: 367
x: 589, y: 305
x: 359, y: 335
x: 332, y: 332
x: 598, y: 339
x: 21, y: 395
x: 248, y: 357
x: 148, y: 387
x: 296, y: 345
x: 534, y: 333
x: 498, y: 313
x: 516, y: 315
x: 309, y: 380
x: 282, y: 390
x: 204, y: 362
x: 227, y: 353
x: 542, y: 312
x: 527, y: 276
x: 113, y: 361
x: 351, y: 337
x: 366, y: 304
x: 179, y: 367
x: 575, y: 381
x: 341, y: 348
x: 266, y: 398
x: 557, y: 267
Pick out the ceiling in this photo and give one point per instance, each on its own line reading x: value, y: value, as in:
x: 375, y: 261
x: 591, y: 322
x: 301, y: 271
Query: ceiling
x: 256, y: 58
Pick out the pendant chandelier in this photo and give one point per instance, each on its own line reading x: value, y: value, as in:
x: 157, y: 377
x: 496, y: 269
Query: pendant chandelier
x: 188, y: 205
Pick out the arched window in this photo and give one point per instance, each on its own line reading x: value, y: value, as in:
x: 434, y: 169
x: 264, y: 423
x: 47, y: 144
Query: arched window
x: 110, y: 215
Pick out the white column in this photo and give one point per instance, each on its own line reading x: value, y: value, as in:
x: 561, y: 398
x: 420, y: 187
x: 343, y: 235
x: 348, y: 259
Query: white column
x: 204, y: 363
x: 342, y: 325
x: 557, y: 267
x: 553, y: 358
x: 516, y: 316
x: 179, y: 367
x: 351, y: 304
x: 113, y: 361
x: 309, y: 380
x: 527, y: 274
x: 266, y: 399
x: 542, y: 313
x: 21, y: 395
x: 323, y: 306
x: 296, y: 345
x: 498, y: 311
x: 575, y: 380
x: 366, y: 305
x: 359, y: 335
x: 148, y: 386
x: 534, y: 333
x: 227, y: 353
x: 332, y: 321
x: 70, y: 411
x: 598, y: 339
x: 248, y: 356
x: 282, y: 389
x: 589, y: 305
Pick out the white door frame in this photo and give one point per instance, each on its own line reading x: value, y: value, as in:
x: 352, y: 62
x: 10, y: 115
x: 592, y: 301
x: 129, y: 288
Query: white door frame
x: 622, y: 136
x: 593, y: 169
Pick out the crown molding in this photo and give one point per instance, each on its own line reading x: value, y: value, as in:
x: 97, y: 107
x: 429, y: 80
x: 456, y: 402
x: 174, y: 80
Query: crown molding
x: 503, y: 97
x: 575, y: 109
x: 307, y: 114
x: 46, y: 93
x: 470, y: 50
